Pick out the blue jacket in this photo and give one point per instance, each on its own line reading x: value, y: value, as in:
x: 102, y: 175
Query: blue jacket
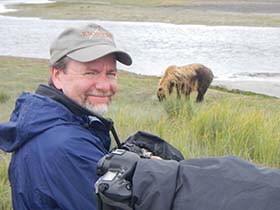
x: 55, y: 152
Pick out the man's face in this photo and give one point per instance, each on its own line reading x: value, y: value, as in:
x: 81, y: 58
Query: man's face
x: 90, y: 84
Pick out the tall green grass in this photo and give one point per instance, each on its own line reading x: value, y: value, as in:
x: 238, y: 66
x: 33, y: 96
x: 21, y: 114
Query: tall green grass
x: 210, y: 129
x: 3, y: 97
x: 5, y: 191
x: 225, y: 123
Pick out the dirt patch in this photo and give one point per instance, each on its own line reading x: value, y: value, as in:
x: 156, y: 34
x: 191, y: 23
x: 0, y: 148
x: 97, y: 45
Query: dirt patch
x: 260, y: 8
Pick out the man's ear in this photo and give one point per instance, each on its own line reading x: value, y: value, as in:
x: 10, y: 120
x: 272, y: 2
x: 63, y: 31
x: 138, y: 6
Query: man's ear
x: 56, y: 77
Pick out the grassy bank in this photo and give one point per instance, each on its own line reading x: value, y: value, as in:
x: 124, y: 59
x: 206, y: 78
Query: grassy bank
x: 243, y: 125
x: 206, y: 12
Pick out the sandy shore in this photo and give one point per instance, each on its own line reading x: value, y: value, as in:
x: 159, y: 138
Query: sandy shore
x: 261, y: 87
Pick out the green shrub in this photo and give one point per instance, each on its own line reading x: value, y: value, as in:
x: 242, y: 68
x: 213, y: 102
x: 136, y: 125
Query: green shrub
x: 4, y: 97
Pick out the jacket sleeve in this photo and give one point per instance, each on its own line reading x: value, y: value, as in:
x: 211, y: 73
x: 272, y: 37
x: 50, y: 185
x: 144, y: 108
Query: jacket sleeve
x: 69, y: 168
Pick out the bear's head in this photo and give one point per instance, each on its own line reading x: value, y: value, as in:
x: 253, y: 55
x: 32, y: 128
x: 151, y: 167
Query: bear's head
x: 161, y: 94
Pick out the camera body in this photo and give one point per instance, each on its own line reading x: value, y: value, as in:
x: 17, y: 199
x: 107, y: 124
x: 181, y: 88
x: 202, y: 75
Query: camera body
x: 113, y: 190
x: 114, y: 186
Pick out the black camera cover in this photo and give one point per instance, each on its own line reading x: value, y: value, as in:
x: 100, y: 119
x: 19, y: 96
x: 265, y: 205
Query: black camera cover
x: 155, y: 144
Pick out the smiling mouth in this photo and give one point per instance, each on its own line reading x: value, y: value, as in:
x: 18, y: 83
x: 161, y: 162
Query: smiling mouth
x: 99, y: 96
x: 95, y: 99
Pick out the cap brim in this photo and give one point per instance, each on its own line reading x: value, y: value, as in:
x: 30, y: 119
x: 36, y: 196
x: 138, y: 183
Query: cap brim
x: 92, y: 53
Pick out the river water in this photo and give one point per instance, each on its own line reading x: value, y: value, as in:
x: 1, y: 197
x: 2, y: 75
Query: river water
x: 246, y: 58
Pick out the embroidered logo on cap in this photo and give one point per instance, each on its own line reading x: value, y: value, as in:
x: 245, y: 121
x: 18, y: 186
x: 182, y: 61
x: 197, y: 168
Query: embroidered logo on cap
x: 97, y: 33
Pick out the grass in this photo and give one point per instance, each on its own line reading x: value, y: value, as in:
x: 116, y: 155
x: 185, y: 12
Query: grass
x: 5, y: 191
x: 3, y: 97
x: 17, y: 75
x: 246, y: 126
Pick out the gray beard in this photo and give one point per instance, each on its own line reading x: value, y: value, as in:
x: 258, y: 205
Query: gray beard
x: 99, y: 109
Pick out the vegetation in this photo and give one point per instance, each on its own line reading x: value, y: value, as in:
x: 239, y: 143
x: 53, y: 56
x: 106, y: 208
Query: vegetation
x: 244, y: 125
x: 5, y: 191
x: 3, y: 97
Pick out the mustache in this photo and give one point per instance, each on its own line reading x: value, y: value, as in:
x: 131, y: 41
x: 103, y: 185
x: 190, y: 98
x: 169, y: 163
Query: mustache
x: 100, y: 93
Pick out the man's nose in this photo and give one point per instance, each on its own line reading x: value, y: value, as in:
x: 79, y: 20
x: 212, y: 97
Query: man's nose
x: 104, y: 83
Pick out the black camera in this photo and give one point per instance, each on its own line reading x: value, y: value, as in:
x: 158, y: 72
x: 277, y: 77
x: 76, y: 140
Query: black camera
x: 113, y: 190
x: 114, y: 186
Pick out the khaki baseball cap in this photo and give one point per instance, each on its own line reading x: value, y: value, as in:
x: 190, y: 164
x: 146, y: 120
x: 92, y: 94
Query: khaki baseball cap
x: 86, y: 43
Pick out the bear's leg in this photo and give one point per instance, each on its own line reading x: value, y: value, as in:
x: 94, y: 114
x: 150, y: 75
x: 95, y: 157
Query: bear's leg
x: 178, y: 89
x: 188, y: 93
x: 170, y: 87
x: 201, y: 92
x: 199, y: 97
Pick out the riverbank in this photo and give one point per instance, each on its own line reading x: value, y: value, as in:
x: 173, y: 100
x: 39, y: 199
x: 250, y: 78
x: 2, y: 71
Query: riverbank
x: 230, y: 12
x: 200, y: 12
x: 268, y: 88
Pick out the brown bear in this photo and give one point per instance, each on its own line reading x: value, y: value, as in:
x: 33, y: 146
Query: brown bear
x: 192, y: 77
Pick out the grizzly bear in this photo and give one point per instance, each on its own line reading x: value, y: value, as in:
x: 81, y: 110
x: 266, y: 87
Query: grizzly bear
x: 192, y: 77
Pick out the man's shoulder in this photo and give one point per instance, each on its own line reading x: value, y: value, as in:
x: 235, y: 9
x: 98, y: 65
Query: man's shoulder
x: 62, y: 142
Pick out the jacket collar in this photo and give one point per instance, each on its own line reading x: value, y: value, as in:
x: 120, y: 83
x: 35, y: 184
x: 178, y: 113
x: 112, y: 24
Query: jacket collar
x: 55, y: 94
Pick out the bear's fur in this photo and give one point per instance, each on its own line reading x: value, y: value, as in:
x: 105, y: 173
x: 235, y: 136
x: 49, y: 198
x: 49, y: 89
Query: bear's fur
x: 192, y: 77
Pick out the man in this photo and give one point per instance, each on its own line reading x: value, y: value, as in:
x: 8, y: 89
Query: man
x: 57, y: 135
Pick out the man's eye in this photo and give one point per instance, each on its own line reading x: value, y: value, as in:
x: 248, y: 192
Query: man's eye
x: 91, y: 73
x: 112, y: 73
